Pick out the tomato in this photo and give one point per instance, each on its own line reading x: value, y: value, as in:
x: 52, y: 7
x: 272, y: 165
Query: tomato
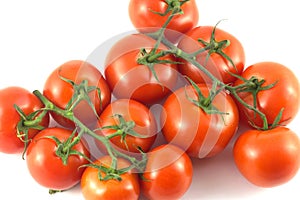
x: 217, y: 64
x: 168, y: 173
x: 187, y: 125
x: 129, y: 80
x: 93, y: 188
x: 285, y: 93
x: 131, y: 111
x: 145, y: 20
x: 47, y: 168
x: 60, y: 92
x: 268, y: 158
x: 9, y: 117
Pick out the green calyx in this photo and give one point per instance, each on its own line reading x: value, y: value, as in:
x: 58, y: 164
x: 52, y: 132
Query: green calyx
x: 122, y: 129
x: 216, y: 47
x: 205, y: 103
x: 28, y: 122
x: 152, y: 58
x: 81, y: 92
x: 65, y: 148
x: 173, y: 8
x: 253, y: 86
x: 109, y: 173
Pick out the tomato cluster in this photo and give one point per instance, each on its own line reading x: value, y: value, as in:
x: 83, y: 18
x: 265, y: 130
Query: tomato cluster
x: 198, y: 76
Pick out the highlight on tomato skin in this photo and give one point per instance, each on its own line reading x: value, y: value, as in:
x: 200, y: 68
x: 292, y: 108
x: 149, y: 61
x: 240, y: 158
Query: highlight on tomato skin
x: 268, y: 158
x: 168, y: 173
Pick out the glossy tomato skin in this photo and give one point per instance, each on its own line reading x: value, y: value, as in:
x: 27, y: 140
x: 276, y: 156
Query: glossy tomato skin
x: 216, y: 64
x: 9, y: 118
x: 131, y: 110
x: 93, y: 188
x: 285, y: 94
x: 129, y: 80
x: 188, y: 126
x: 47, y: 168
x: 145, y: 21
x: 60, y: 92
x: 268, y: 158
x: 168, y: 173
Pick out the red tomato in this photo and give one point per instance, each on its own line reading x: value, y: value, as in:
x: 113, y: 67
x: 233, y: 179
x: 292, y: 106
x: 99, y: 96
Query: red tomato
x: 9, y: 117
x: 268, y: 158
x: 130, y: 110
x: 190, y: 127
x: 93, y: 188
x: 285, y: 94
x: 47, y: 168
x: 60, y: 92
x: 145, y: 20
x: 217, y: 64
x: 130, y: 80
x: 168, y: 173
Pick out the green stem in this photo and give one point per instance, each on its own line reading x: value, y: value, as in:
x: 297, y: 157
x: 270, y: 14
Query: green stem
x: 36, y: 120
x: 117, y: 133
x: 161, y: 32
x: 154, y: 57
x: 190, y: 58
x: 194, y: 54
x: 261, y: 114
x: 104, y: 140
x: 74, y: 141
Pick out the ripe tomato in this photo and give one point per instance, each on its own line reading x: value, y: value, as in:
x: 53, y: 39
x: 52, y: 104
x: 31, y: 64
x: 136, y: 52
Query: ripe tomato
x: 9, y: 117
x: 129, y: 80
x: 168, y: 173
x: 217, y: 64
x: 285, y: 94
x: 133, y: 111
x: 93, y: 188
x: 47, y: 168
x: 268, y: 158
x: 190, y: 127
x: 145, y: 20
x: 60, y: 92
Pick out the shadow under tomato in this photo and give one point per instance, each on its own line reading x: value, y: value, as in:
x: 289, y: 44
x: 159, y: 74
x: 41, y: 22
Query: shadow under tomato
x: 218, y: 178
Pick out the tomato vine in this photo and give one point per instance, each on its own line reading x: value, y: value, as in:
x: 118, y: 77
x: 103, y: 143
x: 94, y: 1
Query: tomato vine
x: 124, y: 128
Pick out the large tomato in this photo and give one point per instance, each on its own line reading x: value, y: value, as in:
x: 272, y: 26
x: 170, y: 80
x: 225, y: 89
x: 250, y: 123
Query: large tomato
x: 131, y: 111
x: 9, y: 117
x: 47, y: 168
x: 284, y: 94
x: 145, y: 20
x: 130, y: 80
x: 187, y: 125
x: 60, y: 92
x: 217, y: 64
x: 268, y: 158
x: 168, y: 173
x: 93, y: 188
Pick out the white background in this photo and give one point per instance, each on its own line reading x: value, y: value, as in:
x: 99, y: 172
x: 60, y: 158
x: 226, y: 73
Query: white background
x: 37, y: 36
